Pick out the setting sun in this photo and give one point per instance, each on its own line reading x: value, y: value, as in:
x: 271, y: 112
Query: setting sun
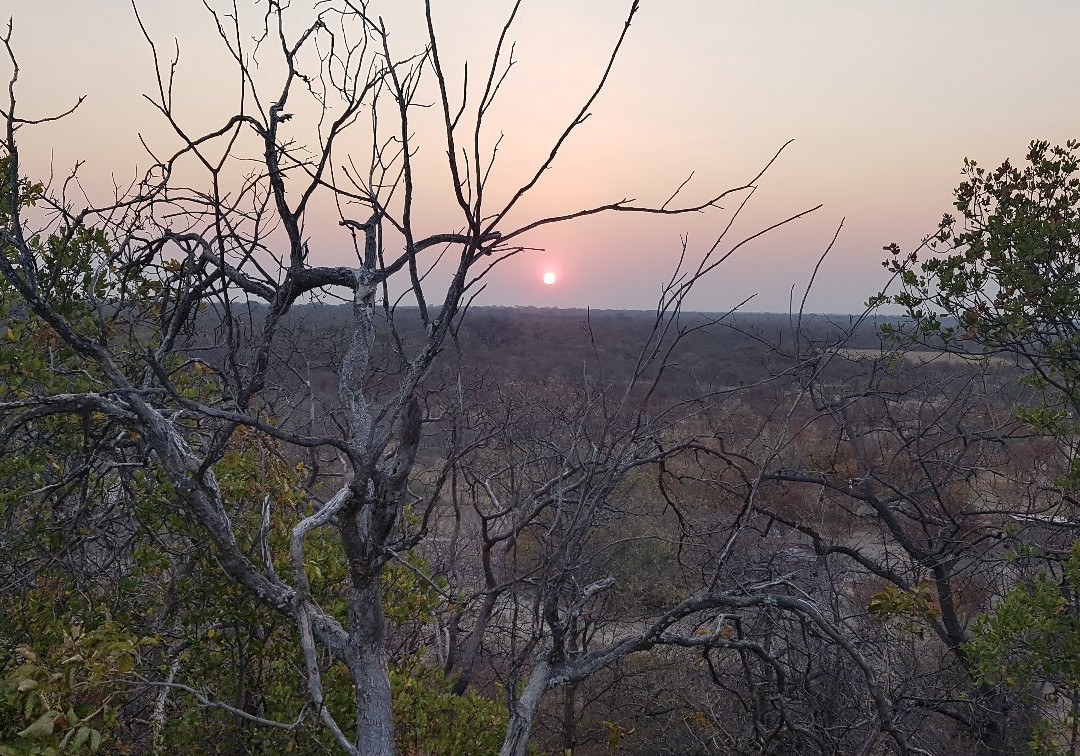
x: 549, y: 278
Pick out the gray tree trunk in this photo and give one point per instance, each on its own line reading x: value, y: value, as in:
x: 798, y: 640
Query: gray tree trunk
x: 519, y: 728
x: 367, y: 665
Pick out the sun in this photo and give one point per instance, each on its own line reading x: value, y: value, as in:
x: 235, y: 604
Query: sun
x: 549, y: 278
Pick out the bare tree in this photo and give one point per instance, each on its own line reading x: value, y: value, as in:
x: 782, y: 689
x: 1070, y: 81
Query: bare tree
x: 905, y: 471
x: 217, y: 234
x: 548, y: 497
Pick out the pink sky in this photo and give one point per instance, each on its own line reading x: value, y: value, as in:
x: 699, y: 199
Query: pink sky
x: 883, y: 100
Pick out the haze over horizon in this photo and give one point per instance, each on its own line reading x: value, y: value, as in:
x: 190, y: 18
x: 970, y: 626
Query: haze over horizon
x: 883, y: 101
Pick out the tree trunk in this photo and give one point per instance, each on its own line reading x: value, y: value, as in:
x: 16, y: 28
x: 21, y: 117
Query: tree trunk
x: 569, y: 723
x: 371, y: 677
x: 519, y: 729
x: 472, y: 646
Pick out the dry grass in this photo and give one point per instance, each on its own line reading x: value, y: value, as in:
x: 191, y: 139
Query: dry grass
x: 925, y: 357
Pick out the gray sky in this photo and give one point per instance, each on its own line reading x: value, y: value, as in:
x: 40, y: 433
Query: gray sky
x: 883, y: 100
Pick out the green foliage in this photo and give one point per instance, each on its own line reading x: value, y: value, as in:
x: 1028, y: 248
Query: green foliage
x: 430, y: 720
x: 1031, y: 640
x: 410, y: 594
x: 1008, y: 264
x: 62, y: 700
x: 1049, y: 740
x: 1034, y: 633
x: 1004, y: 277
x: 66, y: 689
x: 913, y: 609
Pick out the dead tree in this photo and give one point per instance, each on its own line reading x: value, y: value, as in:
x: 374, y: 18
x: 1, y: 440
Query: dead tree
x: 906, y: 475
x: 544, y: 497
x: 217, y: 233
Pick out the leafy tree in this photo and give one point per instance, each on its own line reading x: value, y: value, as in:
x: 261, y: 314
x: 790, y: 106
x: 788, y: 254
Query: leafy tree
x: 1003, y: 276
x: 1030, y: 644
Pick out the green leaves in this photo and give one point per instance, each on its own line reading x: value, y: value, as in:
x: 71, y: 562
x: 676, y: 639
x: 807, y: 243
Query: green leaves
x: 1012, y: 249
x: 1030, y: 642
x: 429, y: 719
x: 914, y: 609
x: 42, y: 727
x: 1004, y: 276
x: 65, y: 695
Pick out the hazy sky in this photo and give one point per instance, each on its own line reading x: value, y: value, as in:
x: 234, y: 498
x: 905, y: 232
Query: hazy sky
x: 883, y: 100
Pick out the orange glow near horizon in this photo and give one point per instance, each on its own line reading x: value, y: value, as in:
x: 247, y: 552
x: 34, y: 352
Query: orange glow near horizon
x: 879, y: 140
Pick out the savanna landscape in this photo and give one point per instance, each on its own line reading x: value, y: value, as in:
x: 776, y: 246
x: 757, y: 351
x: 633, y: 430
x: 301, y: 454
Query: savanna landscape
x: 262, y: 496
